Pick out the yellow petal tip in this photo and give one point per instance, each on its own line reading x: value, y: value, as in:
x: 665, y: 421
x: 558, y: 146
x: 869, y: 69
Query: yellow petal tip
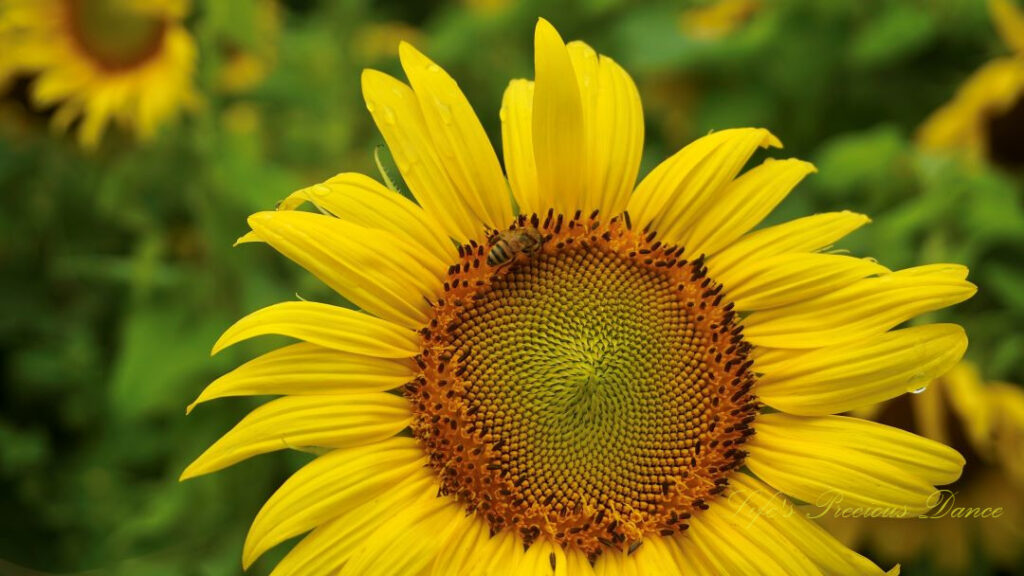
x: 546, y: 32
x: 188, y: 473
x: 247, y: 238
x: 771, y: 140
x: 221, y: 343
x: 407, y: 51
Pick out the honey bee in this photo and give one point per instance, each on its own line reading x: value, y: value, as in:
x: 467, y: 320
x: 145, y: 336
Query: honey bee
x: 508, y: 244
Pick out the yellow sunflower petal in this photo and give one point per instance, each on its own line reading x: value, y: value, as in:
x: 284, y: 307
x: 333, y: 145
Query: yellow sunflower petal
x: 364, y: 201
x: 860, y: 310
x: 673, y: 197
x: 761, y: 511
x: 613, y: 127
x: 748, y: 549
x: 853, y: 442
x: 303, y: 368
x: 324, y: 550
x: 459, y: 137
x: 542, y: 558
x: 1009, y: 21
x: 408, y: 542
x: 694, y: 549
x: 847, y: 376
x: 857, y: 462
x: 651, y: 557
x: 327, y: 326
x: 517, y: 145
x: 302, y: 421
x: 970, y: 399
x: 793, y: 277
x: 501, y: 557
x: 249, y: 237
x: 328, y: 486
x: 690, y: 558
x: 577, y: 563
x: 612, y: 564
x: 744, y: 203
x: 373, y: 269
x: 559, y: 149
x: 461, y: 548
x: 397, y: 113
x: 807, y: 234
x: 656, y: 557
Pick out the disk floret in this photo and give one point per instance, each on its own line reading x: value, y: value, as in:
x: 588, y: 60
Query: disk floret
x: 596, y: 388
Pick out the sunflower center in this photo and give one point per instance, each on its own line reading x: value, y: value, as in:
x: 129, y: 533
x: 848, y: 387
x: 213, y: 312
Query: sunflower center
x: 1004, y: 141
x: 584, y: 381
x: 113, y: 33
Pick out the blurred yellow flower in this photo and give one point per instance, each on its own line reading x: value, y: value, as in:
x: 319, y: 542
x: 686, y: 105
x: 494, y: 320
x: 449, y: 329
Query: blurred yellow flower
x: 717, y: 19
x: 129, y: 62
x: 245, y: 67
x: 986, y: 423
x: 985, y: 118
x: 380, y: 40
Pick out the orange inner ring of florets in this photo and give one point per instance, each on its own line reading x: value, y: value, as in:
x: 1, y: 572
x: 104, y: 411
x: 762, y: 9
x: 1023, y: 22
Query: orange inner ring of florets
x: 596, y: 390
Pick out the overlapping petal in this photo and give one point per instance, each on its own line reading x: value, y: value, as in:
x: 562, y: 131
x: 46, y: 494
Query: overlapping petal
x: 467, y: 545
x: 840, y: 462
x: 558, y: 141
x: 339, y: 421
x: 407, y: 542
x: 846, y: 376
x: 676, y: 193
x: 325, y: 325
x: 543, y: 557
x: 305, y: 369
x: 807, y: 234
x: 753, y: 523
x: 613, y: 130
x: 325, y: 550
x: 398, y: 116
x: 517, y: 145
x: 328, y: 486
x: 374, y: 269
x: 458, y: 136
x: 793, y: 277
x: 364, y: 201
x: 744, y: 202
x: 862, y: 309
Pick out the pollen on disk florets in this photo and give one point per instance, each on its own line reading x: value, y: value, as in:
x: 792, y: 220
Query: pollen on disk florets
x: 596, y: 389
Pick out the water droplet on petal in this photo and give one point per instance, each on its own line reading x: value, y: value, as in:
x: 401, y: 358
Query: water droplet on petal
x: 918, y: 390
x: 445, y: 110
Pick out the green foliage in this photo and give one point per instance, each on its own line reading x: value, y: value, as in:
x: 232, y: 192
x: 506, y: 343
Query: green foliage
x: 119, y: 273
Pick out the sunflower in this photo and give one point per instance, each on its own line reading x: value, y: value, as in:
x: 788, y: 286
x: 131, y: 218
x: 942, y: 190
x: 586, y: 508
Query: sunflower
x: 561, y: 374
x: 986, y: 420
x: 125, y: 61
x: 986, y: 116
x: 717, y: 19
x: 248, y: 59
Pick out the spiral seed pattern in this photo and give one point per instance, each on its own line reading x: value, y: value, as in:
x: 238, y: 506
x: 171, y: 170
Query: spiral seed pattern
x: 597, y: 390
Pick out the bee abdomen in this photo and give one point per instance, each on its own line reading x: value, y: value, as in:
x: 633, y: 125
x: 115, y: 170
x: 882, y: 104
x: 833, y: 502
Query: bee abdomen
x: 499, y: 254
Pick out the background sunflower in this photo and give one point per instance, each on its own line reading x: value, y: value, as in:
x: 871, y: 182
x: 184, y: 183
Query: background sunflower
x: 118, y: 271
